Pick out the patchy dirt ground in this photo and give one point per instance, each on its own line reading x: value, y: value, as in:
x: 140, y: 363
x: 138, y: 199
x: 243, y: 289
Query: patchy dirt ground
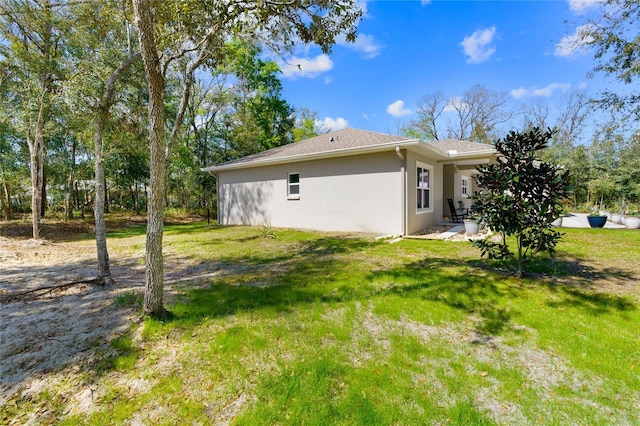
x: 45, y: 331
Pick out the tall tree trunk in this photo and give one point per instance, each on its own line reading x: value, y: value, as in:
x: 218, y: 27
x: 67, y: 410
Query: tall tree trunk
x: 106, y: 196
x: 160, y: 149
x: 154, y: 279
x: 5, y: 201
x: 36, y: 161
x: 43, y: 197
x: 68, y: 206
x: 100, y: 199
x: 134, y: 199
x: 104, y: 272
x: 76, y: 195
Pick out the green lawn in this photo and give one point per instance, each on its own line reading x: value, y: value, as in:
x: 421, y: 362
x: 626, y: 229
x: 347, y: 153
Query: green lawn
x: 312, y: 328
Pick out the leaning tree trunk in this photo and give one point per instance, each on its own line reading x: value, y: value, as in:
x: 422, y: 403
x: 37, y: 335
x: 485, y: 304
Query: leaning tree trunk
x: 104, y: 272
x: 154, y: 279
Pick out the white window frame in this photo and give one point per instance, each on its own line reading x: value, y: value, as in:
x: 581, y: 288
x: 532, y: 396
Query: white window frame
x: 291, y: 196
x: 464, y: 186
x: 429, y: 168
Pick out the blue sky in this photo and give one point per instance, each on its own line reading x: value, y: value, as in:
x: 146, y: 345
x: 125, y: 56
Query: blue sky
x: 407, y: 49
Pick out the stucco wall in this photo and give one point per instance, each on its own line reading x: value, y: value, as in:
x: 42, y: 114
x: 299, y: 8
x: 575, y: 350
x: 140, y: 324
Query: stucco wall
x: 418, y: 221
x: 358, y: 194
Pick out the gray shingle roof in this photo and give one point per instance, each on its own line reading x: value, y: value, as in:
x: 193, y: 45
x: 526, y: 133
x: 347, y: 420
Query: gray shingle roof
x: 347, y: 141
x: 447, y: 145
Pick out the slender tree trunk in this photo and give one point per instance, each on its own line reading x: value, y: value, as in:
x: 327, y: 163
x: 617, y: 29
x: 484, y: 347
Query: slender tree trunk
x: 104, y: 272
x: 43, y: 205
x: 134, y: 199
x: 68, y: 207
x: 5, y: 201
x: 76, y: 195
x: 100, y: 199
x: 36, y: 157
x: 160, y: 149
x: 106, y: 196
x: 154, y: 279
x: 520, y: 258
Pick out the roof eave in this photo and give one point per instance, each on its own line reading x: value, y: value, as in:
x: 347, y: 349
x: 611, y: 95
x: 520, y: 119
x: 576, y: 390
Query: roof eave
x: 315, y: 156
x: 470, y: 155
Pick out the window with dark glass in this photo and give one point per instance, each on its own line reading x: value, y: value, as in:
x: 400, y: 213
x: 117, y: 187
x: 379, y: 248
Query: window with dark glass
x: 294, y: 185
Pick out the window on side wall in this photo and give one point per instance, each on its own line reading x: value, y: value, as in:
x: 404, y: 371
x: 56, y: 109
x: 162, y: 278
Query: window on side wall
x: 464, y: 189
x: 424, y: 195
x: 293, y: 187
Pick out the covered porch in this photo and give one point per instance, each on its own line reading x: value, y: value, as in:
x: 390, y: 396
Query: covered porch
x: 458, y: 184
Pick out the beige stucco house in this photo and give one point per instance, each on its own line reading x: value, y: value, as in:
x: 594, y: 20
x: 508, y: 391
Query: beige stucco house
x: 349, y: 180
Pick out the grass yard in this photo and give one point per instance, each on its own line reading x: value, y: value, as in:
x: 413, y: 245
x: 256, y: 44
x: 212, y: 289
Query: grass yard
x: 313, y: 328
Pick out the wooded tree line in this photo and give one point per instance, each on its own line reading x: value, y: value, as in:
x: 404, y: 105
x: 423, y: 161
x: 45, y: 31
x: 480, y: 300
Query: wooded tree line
x: 53, y: 92
x: 111, y: 98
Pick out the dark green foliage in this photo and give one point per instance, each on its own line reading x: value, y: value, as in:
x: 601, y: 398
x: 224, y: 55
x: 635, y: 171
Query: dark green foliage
x: 521, y: 197
x: 615, y: 38
x: 260, y: 118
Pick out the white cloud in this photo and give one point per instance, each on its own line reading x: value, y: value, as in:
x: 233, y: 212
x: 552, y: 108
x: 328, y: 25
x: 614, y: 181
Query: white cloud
x: 306, y: 67
x: 331, y: 124
x: 519, y: 93
x: 544, y: 92
x: 477, y: 47
x: 397, y: 109
x: 365, y: 44
x: 580, y: 6
x: 576, y: 43
x: 425, y: 2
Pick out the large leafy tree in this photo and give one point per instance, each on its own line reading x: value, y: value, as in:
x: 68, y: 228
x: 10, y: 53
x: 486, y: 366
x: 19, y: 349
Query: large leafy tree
x: 305, y: 125
x: 102, y: 45
x: 34, y: 50
x: 260, y: 119
x: 237, y: 111
x: 198, y: 30
x: 521, y: 196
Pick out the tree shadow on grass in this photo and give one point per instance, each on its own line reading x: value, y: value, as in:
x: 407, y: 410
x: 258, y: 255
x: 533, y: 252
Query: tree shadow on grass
x: 317, y: 272
x: 598, y: 290
x: 465, y: 285
x: 280, y: 282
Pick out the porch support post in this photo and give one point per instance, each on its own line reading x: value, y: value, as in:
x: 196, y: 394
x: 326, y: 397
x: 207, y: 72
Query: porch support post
x: 403, y: 178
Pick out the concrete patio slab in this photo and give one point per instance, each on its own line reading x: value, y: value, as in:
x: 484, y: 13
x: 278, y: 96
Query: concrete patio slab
x: 579, y: 220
